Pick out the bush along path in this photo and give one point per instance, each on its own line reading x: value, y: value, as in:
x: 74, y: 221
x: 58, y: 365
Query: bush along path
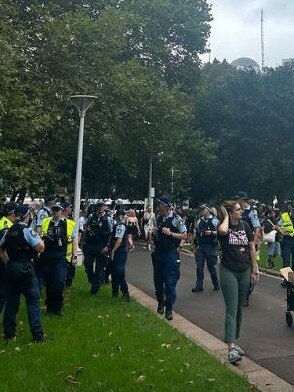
x: 106, y: 344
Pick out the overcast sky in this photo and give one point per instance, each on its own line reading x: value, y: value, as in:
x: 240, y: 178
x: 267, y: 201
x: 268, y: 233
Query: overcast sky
x: 235, y: 30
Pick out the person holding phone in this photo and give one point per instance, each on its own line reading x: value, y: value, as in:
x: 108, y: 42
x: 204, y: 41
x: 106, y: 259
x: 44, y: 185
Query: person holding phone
x: 237, y: 270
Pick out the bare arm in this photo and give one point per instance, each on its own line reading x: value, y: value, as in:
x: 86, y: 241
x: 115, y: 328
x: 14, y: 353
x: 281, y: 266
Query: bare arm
x: 254, y: 266
x: 40, y: 247
x: 177, y: 236
x: 257, y: 235
x: 3, y: 256
x: 137, y: 224
x: 224, y: 226
x: 74, y: 248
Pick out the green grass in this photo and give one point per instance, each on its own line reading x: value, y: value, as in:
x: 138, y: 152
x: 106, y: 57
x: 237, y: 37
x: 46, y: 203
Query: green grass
x: 264, y: 257
x: 105, y: 344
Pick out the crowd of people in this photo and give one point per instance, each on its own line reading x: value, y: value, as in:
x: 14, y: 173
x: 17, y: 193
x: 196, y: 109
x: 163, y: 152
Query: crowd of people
x: 39, y: 248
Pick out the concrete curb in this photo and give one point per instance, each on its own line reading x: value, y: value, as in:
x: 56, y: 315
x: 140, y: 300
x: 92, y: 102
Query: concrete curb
x: 262, y: 378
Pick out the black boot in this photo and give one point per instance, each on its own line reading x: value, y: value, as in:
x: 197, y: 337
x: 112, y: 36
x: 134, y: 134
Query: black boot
x: 126, y: 297
x: 160, y: 308
x: 94, y: 290
x: 169, y: 315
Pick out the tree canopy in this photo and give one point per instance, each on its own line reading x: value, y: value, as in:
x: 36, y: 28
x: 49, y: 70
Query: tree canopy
x: 136, y: 57
x: 220, y: 128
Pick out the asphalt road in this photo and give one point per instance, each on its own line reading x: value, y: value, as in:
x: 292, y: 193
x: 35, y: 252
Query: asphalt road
x: 264, y: 335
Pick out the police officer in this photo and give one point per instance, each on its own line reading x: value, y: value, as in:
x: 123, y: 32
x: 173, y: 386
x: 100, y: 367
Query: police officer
x: 71, y: 263
x: 205, y: 245
x: 287, y: 230
x: 170, y: 230
x: 19, y: 246
x: 6, y: 221
x: 98, y: 230
x: 60, y: 237
x: 118, y: 257
x: 250, y: 216
x: 44, y: 212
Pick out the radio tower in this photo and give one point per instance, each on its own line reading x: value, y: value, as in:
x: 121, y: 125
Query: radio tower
x: 262, y: 40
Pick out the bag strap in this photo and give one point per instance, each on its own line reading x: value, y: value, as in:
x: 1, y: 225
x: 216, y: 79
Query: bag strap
x: 271, y: 222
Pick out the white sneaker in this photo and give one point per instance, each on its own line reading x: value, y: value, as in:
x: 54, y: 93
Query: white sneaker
x: 240, y: 351
x: 233, y: 355
x: 149, y: 247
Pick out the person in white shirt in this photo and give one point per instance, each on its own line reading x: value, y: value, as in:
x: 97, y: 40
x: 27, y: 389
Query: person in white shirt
x: 148, y: 226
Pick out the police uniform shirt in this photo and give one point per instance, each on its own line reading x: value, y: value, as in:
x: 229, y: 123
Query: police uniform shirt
x: 42, y: 214
x: 5, y: 224
x: 214, y: 221
x: 281, y: 220
x: 30, y: 235
x: 252, y: 215
x: 74, y: 232
x: 110, y: 221
x: 177, y: 222
x: 120, y: 231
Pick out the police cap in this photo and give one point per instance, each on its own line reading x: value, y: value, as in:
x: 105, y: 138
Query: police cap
x: 100, y: 203
x: 49, y: 198
x: 66, y: 204
x: 241, y: 195
x: 22, y: 210
x: 57, y: 206
x: 206, y: 206
x: 165, y: 200
x: 9, y: 207
x: 120, y: 212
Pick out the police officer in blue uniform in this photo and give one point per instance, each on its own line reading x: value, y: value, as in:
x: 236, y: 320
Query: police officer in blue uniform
x: 6, y: 221
x: 205, y: 245
x: 53, y: 260
x: 170, y: 230
x: 71, y: 267
x: 45, y: 211
x: 18, y: 248
x: 98, y: 230
x: 118, y: 257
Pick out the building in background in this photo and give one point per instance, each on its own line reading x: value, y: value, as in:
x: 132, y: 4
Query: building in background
x: 246, y: 63
x: 288, y: 62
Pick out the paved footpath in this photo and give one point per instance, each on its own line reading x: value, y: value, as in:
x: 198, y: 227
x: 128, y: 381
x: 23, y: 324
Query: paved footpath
x: 264, y: 336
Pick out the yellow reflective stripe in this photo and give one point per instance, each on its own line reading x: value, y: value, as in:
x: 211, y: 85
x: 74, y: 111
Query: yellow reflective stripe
x: 70, y: 224
x: 287, y: 225
x: 45, y: 225
x: 5, y: 223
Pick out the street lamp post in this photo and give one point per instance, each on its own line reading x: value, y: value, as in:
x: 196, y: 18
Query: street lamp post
x: 83, y: 103
x: 150, y: 189
x: 173, y: 170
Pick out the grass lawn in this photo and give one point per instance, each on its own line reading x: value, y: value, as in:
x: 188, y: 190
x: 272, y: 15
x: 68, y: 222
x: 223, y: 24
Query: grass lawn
x: 106, y: 344
x: 264, y: 257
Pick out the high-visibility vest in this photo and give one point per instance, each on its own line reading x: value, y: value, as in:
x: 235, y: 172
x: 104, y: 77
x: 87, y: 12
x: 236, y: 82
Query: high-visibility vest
x: 287, y: 225
x: 5, y: 223
x: 70, y: 225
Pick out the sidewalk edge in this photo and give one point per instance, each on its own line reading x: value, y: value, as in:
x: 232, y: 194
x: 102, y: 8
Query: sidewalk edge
x: 260, y: 377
